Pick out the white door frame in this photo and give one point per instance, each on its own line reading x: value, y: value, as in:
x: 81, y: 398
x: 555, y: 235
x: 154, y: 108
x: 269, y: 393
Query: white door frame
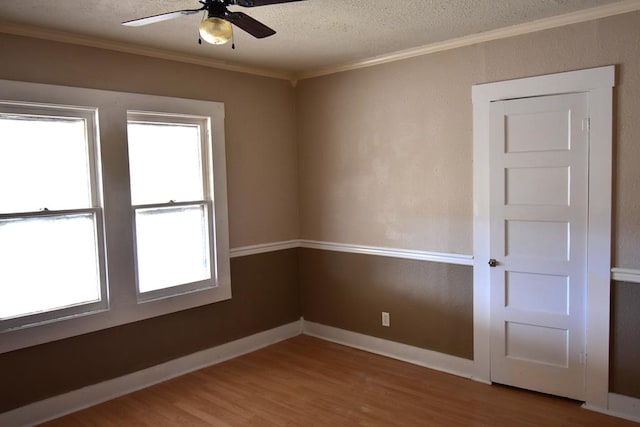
x: 598, y: 84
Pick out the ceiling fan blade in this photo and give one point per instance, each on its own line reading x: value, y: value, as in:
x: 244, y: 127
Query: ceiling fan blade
x: 161, y: 17
x: 255, y: 3
x: 243, y: 21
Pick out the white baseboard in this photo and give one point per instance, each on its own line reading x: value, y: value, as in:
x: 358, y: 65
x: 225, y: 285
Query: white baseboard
x: 618, y: 405
x: 76, y: 400
x: 415, y: 355
x: 57, y: 406
x: 621, y: 406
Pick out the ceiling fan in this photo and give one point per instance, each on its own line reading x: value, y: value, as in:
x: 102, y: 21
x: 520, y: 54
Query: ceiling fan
x: 216, y: 27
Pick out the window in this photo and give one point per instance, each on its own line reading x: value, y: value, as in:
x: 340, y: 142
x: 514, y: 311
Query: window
x: 51, y: 239
x: 169, y: 158
x: 75, y: 256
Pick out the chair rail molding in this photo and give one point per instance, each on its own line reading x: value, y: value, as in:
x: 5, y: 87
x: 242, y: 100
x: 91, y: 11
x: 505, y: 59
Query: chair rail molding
x: 442, y: 257
x: 625, y: 275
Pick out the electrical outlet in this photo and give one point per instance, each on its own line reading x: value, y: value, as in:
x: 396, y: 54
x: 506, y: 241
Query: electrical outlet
x: 385, y: 319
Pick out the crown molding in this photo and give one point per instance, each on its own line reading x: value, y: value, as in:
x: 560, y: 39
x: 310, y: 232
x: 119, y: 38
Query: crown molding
x: 81, y: 40
x: 591, y: 14
x: 599, y: 12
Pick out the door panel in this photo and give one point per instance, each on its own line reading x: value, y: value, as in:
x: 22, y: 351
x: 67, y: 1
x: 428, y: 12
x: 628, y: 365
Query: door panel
x: 539, y: 188
x: 536, y: 344
x: 522, y: 186
x: 547, y: 293
x: 537, y: 239
x: 536, y: 131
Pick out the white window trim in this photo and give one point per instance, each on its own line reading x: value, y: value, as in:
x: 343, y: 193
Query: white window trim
x: 204, y: 125
x: 90, y: 116
x: 124, y: 306
x: 598, y: 84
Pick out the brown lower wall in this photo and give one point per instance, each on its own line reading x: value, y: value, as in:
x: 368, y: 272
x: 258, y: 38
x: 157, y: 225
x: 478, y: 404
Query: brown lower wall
x: 624, y: 376
x: 430, y: 304
x: 265, y: 295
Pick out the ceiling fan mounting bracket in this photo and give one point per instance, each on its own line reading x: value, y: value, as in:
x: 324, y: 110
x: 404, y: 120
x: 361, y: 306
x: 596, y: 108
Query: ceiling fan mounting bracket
x: 215, y: 8
x: 218, y: 9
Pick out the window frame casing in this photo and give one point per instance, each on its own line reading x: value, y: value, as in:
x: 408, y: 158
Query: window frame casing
x: 206, y: 166
x: 124, y: 306
x: 95, y: 208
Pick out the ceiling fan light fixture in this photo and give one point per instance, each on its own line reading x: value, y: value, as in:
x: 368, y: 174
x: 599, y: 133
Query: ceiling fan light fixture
x: 215, y: 30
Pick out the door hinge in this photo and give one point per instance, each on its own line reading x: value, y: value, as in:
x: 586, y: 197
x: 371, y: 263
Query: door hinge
x: 583, y: 358
x: 586, y: 124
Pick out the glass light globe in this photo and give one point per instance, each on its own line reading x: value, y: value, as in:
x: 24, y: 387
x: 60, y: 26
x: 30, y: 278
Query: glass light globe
x: 215, y: 30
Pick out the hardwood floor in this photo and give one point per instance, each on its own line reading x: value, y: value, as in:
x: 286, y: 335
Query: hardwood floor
x: 305, y: 381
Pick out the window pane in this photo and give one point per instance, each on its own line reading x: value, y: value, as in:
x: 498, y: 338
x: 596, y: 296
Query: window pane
x: 172, y: 246
x: 165, y: 162
x: 47, y: 263
x: 43, y: 163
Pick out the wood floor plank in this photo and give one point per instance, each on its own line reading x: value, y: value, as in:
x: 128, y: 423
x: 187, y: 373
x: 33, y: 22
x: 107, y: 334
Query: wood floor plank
x: 305, y: 381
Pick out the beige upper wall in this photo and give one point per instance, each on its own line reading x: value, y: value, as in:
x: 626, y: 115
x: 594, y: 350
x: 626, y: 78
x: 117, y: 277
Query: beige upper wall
x: 260, y: 122
x: 383, y: 154
x: 614, y: 40
x: 386, y: 152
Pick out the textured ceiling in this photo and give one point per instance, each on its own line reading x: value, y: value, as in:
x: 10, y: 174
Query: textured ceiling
x: 311, y: 34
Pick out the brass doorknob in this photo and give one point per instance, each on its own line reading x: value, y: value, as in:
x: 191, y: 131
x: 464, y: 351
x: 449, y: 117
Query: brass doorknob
x: 493, y: 262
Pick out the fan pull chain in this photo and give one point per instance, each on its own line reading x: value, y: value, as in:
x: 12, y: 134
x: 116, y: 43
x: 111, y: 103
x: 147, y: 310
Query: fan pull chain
x: 204, y: 15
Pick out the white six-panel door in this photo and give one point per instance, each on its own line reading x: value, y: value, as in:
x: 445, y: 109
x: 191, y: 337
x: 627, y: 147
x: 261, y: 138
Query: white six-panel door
x: 538, y: 208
